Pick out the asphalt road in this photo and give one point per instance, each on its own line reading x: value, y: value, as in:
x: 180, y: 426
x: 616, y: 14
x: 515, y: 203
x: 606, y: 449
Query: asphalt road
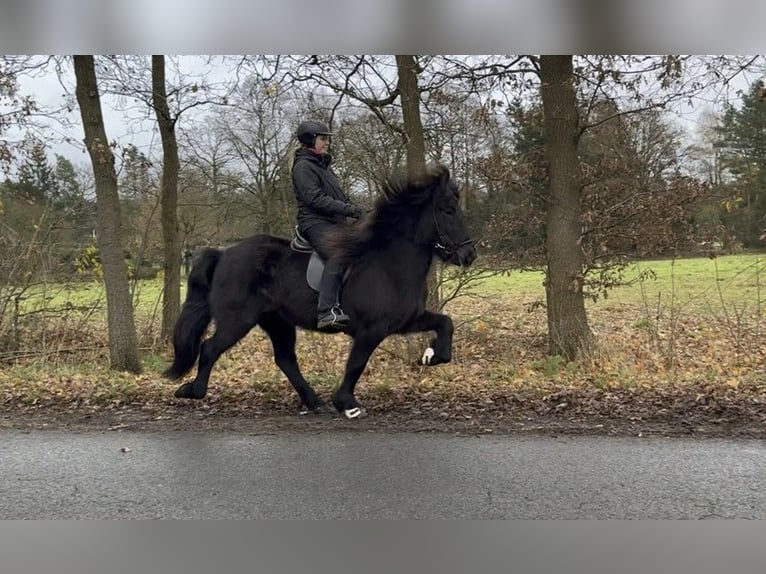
x: 125, y: 475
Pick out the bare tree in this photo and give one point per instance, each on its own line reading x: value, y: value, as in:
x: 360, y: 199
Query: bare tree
x: 15, y: 109
x: 171, y: 294
x: 207, y: 183
x: 128, y: 76
x: 259, y: 133
x: 376, y: 82
x: 123, y: 346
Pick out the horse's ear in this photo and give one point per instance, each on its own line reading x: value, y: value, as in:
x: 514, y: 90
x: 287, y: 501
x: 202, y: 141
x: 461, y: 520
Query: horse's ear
x: 440, y: 172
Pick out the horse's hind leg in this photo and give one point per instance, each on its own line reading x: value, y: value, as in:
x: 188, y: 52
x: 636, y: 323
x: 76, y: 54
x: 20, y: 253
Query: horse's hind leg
x: 440, y: 350
x: 282, y: 336
x: 227, y: 334
x: 344, y: 399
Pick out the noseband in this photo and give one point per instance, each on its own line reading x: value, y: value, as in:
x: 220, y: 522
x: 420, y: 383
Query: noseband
x: 439, y: 244
x: 445, y: 245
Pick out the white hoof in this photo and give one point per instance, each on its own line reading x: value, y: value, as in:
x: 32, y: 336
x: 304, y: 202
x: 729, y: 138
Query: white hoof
x: 428, y: 354
x: 352, y: 413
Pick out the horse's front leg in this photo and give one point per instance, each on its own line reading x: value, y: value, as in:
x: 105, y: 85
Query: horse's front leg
x: 440, y: 350
x: 344, y: 399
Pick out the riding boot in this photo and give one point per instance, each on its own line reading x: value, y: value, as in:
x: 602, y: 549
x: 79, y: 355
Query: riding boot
x: 331, y: 317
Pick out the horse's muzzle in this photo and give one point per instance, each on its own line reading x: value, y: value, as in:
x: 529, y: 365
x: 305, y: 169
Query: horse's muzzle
x: 465, y: 255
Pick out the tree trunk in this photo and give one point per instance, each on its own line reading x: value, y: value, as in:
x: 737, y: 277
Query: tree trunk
x: 171, y: 293
x: 409, y: 93
x: 415, y: 146
x: 123, y: 345
x: 568, y: 331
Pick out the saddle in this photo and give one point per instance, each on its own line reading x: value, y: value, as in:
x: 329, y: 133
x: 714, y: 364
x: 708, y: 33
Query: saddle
x: 316, y: 263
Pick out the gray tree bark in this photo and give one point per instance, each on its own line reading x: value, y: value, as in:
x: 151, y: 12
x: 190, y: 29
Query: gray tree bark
x: 568, y: 332
x: 171, y: 293
x: 123, y: 345
x: 409, y: 95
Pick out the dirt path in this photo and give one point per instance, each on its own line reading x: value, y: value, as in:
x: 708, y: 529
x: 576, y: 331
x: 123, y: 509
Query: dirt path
x: 200, y: 417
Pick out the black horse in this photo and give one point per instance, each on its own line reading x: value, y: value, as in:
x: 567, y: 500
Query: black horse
x: 262, y: 281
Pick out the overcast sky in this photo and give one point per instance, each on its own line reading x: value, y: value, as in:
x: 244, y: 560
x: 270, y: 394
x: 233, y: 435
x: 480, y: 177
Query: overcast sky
x: 373, y: 26
x: 52, y: 91
x: 366, y: 26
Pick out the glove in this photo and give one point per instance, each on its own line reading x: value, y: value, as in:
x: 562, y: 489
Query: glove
x: 354, y: 211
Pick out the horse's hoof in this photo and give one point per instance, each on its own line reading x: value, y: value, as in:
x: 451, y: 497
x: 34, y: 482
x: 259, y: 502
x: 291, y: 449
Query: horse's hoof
x: 428, y: 354
x: 321, y: 410
x: 352, y: 413
x: 186, y: 391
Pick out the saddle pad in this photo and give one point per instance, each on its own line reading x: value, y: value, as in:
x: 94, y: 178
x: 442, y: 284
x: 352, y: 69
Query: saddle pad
x: 314, y: 271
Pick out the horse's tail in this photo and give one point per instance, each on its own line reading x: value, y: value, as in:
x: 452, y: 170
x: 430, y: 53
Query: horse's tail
x: 195, y: 314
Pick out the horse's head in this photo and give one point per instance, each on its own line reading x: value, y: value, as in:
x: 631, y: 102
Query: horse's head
x: 451, y: 240
x: 424, y: 209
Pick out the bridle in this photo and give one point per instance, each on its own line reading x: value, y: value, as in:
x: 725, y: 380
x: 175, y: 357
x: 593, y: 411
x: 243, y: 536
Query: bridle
x: 445, y: 245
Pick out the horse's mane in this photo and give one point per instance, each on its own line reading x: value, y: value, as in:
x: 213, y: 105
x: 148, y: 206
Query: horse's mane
x: 400, y: 198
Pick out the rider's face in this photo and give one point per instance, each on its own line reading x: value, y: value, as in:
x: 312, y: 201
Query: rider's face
x: 321, y: 144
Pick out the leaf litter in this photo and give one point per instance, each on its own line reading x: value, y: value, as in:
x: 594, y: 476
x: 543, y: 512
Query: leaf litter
x: 692, y: 376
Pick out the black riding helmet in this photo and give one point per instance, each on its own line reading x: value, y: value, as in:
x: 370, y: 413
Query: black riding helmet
x: 309, y: 130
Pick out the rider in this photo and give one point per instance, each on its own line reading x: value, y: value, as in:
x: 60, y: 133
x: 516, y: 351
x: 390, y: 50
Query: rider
x: 322, y: 205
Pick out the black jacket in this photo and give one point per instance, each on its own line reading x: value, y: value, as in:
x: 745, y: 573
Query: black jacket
x: 318, y: 192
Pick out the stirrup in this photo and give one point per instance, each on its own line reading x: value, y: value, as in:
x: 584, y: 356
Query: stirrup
x: 333, y: 320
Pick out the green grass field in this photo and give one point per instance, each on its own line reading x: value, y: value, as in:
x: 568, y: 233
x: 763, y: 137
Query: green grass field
x: 727, y: 291
x: 699, y: 284
x: 146, y: 295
